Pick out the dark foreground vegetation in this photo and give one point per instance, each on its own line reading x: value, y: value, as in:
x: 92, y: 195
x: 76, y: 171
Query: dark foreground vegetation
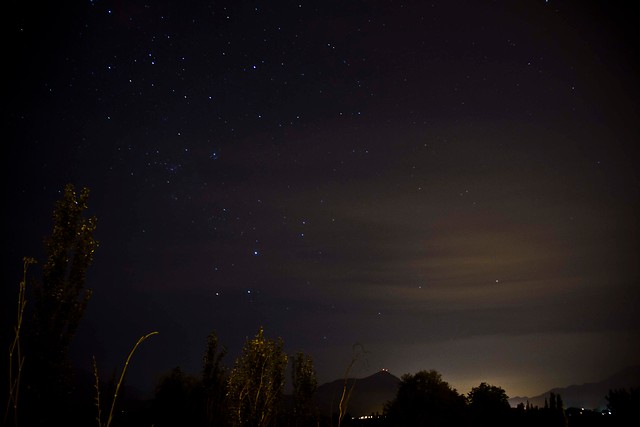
x: 41, y: 387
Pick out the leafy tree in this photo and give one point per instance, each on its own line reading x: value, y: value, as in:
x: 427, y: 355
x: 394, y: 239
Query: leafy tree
x: 489, y: 405
x: 214, y: 377
x: 177, y: 400
x: 425, y: 399
x: 256, y: 382
x: 305, y: 384
x: 60, y: 302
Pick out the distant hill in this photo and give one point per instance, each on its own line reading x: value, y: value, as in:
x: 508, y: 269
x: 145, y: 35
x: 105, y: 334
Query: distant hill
x: 369, y: 394
x: 589, y: 395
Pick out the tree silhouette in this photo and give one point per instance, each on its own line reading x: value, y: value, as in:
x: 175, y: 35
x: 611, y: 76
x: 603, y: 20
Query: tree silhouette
x: 489, y: 405
x: 559, y: 403
x: 305, y: 384
x: 554, y: 413
x: 60, y: 302
x: 624, y: 405
x: 177, y: 401
x: 552, y: 401
x: 214, y: 377
x: 425, y: 399
x: 256, y: 382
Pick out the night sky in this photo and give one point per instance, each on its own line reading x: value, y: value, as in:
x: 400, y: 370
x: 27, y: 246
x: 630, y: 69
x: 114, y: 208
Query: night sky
x: 452, y: 184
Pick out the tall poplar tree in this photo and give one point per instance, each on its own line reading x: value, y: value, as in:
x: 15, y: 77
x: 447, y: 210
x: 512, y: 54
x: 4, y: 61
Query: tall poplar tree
x: 214, y: 377
x: 305, y: 384
x: 60, y: 303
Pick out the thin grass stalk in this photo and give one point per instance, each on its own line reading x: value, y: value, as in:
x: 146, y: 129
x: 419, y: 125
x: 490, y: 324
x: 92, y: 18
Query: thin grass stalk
x: 97, y: 387
x: 15, y: 348
x: 124, y: 371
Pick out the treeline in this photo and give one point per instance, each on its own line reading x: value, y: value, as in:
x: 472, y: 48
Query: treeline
x: 251, y: 393
x: 43, y: 390
x: 425, y: 399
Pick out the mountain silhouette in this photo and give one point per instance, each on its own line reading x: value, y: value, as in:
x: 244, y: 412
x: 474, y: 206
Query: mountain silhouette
x: 368, y: 397
x: 589, y: 395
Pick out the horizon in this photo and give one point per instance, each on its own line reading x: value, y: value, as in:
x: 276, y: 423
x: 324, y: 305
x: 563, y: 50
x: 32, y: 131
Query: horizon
x: 534, y: 399
x: 461, y: 386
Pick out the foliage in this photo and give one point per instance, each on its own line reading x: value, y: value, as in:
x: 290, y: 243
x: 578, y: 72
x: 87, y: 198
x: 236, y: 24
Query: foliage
x: 60, y: 302
x: 256, y: 383
x: 305, y: 384
x: 489, y: 405
x: 425, y: 399
x: 177, y: 400
x: 214, y: 377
